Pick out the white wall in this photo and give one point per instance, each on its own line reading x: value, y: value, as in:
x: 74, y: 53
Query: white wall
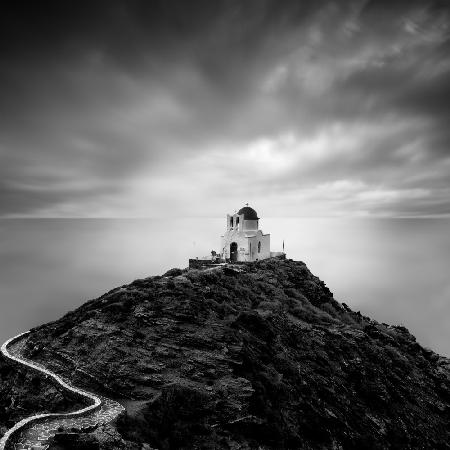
x: 265, y: 246
x: 247, y: 246
x: 242, y: 242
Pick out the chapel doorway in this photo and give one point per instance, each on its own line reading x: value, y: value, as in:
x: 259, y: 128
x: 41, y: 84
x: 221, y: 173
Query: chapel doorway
x: 233, y: 251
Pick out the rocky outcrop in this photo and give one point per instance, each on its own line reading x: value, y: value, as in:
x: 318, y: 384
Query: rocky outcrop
x: 255, y: 355
x: 24, y: 393
x: 35, y: 430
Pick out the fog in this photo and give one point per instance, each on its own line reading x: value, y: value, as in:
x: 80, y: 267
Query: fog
x: 394, y: 270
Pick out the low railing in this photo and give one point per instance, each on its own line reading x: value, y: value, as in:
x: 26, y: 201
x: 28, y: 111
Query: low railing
x: 19, y: 426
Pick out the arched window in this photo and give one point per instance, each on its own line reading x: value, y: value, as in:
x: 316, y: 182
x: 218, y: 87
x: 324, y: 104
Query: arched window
x: 259, y: 247
x: 231, y: 222
x: 237, y: 221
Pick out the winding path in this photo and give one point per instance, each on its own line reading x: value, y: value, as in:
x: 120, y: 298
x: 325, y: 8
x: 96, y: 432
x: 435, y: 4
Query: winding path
x: 33, y: 432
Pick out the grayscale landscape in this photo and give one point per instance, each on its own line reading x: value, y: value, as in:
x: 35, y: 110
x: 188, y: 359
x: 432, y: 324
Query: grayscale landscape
x: 224, y: 224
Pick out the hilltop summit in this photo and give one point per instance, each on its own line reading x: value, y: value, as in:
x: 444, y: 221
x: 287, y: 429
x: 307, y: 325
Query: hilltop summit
x: 246, y: 356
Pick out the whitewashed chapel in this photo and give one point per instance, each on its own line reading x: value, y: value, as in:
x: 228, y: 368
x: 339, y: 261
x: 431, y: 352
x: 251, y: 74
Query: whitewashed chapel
x: 243, y: 240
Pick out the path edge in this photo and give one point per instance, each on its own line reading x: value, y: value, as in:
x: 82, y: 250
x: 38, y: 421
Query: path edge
x: 38, y: 417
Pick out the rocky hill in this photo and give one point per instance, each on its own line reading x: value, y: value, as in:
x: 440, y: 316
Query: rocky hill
x: 247, y: 356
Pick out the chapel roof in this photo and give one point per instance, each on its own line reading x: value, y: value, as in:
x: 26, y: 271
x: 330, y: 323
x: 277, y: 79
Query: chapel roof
x: 249, y: 213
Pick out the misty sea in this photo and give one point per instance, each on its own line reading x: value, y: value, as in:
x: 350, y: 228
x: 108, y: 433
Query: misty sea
x: 394, y: 270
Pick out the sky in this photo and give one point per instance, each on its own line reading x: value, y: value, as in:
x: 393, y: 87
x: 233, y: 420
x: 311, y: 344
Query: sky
x: 145, y: 108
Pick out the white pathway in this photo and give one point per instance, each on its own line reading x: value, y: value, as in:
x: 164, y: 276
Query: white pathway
x: 34, y: 432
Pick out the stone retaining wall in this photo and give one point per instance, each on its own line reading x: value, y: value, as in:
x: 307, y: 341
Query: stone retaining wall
x: 202, y: 263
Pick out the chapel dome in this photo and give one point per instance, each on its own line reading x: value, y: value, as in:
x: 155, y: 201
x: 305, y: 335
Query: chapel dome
x: 249, y: 213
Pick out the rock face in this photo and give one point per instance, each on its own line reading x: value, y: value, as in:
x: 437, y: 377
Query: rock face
x: 250, y: 356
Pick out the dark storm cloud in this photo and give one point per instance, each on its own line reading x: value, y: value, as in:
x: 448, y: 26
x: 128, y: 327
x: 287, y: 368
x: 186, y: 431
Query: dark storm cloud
x: 114, y: 107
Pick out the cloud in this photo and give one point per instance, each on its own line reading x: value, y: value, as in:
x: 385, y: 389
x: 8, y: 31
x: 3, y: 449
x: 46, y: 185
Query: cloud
x: 126, y: 108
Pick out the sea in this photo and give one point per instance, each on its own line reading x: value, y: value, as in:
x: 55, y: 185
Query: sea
x: 395, y: 271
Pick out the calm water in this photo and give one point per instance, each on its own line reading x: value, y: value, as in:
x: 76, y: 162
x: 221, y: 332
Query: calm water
x: 396, y: 271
